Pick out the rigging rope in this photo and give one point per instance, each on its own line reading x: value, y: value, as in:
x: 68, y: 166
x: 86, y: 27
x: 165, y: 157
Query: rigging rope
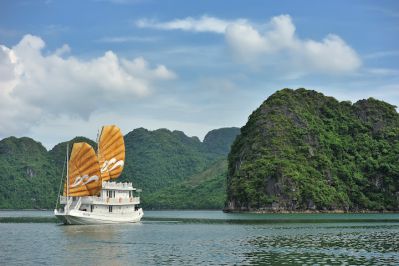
x: 62, y: 177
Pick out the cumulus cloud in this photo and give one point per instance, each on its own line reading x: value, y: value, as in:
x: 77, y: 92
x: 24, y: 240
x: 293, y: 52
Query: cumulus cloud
x: 34, y: 85
x: 272, y: 43
x: 251, y: 45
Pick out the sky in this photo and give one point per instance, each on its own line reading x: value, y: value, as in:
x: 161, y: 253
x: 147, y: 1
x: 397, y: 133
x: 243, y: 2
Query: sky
x: 69, y: 67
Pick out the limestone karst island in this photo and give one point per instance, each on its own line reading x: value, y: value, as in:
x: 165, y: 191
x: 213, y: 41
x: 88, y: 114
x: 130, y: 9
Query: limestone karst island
x: 303, y: 151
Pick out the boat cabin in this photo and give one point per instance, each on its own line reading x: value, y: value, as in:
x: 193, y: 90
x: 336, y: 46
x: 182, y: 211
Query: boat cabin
x: 114, y: 198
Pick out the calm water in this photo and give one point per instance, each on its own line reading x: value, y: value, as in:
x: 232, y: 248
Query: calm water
x: 176, y: 242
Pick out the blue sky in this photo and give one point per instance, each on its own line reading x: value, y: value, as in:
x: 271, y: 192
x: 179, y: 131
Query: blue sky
x: 68, y: 67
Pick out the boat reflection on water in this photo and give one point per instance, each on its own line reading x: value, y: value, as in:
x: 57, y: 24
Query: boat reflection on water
x: 97, y: 244
x: 93, y: 232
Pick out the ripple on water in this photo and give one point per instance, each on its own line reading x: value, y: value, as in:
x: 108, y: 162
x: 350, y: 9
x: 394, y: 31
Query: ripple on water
x: 200, y: 244
x: 377, y: 245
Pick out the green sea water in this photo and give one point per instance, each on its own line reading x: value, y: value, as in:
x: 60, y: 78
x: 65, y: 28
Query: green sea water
x: 204, y: 238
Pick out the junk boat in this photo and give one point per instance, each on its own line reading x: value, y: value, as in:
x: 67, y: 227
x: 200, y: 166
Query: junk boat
x: 90, y: 196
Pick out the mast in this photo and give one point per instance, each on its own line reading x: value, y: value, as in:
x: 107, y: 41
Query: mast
x: 98, y: 150
x: 67, y: 173
x: 98, y: 138
x: 59, y: 189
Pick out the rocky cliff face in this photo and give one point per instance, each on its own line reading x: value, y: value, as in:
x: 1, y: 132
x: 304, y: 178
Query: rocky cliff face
x: 301, y: 150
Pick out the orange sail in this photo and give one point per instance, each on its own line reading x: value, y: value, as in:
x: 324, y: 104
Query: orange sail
x: 111, y: 152
x: 84, y: 171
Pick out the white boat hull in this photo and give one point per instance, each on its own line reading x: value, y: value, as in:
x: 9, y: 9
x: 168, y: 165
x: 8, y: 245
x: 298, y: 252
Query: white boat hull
x: 83, y: 217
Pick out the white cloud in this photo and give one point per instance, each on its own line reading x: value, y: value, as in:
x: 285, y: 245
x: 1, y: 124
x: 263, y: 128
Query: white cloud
x: 250, y: 45
x: 34, y: 85
x: 330, y: 55
x: 140, y: 67
x: 274, y: 43
x: 203, y: 24
x: 64, y: 49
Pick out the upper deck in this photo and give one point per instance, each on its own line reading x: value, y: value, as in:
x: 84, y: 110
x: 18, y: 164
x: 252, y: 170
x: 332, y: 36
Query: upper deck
x: 112, y: 193
x: 118, y: 186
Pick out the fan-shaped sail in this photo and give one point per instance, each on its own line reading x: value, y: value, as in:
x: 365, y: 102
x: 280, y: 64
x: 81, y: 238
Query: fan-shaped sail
x: 111, y: 152
x: 84, y: 171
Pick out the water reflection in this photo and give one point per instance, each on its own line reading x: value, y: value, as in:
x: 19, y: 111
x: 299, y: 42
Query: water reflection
x: 346, y: 246
x: 197, y: 243
x: 97, y: 244
x: 91, y: 232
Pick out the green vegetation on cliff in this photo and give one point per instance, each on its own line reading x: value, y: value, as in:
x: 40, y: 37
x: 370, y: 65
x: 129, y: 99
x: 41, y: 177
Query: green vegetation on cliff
x: 160, y: 158
x: 161, y: 161
x: 155, y: 161
x: 302, y: 150
x: 205, y: 190
x: 27, y: 176
x: 219, y: 140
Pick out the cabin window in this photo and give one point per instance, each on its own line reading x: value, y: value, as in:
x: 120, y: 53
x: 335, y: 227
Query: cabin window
x: 114, y: 193
x: 91, y: 208
x: 110, y: 208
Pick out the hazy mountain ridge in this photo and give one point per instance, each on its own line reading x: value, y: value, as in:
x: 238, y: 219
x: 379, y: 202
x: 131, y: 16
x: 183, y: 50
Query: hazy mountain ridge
x: 219, y: 140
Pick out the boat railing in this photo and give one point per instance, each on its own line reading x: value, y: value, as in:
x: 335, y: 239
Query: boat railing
x: 63, y: 199
x: 117, y: 185
x: 77, y: 206
x: 116, y: 201
x: 68, y: 202
x: 100, y: 200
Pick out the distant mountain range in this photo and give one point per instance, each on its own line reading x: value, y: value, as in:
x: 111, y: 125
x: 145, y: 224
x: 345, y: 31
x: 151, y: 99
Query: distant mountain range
x: 173, y: 170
